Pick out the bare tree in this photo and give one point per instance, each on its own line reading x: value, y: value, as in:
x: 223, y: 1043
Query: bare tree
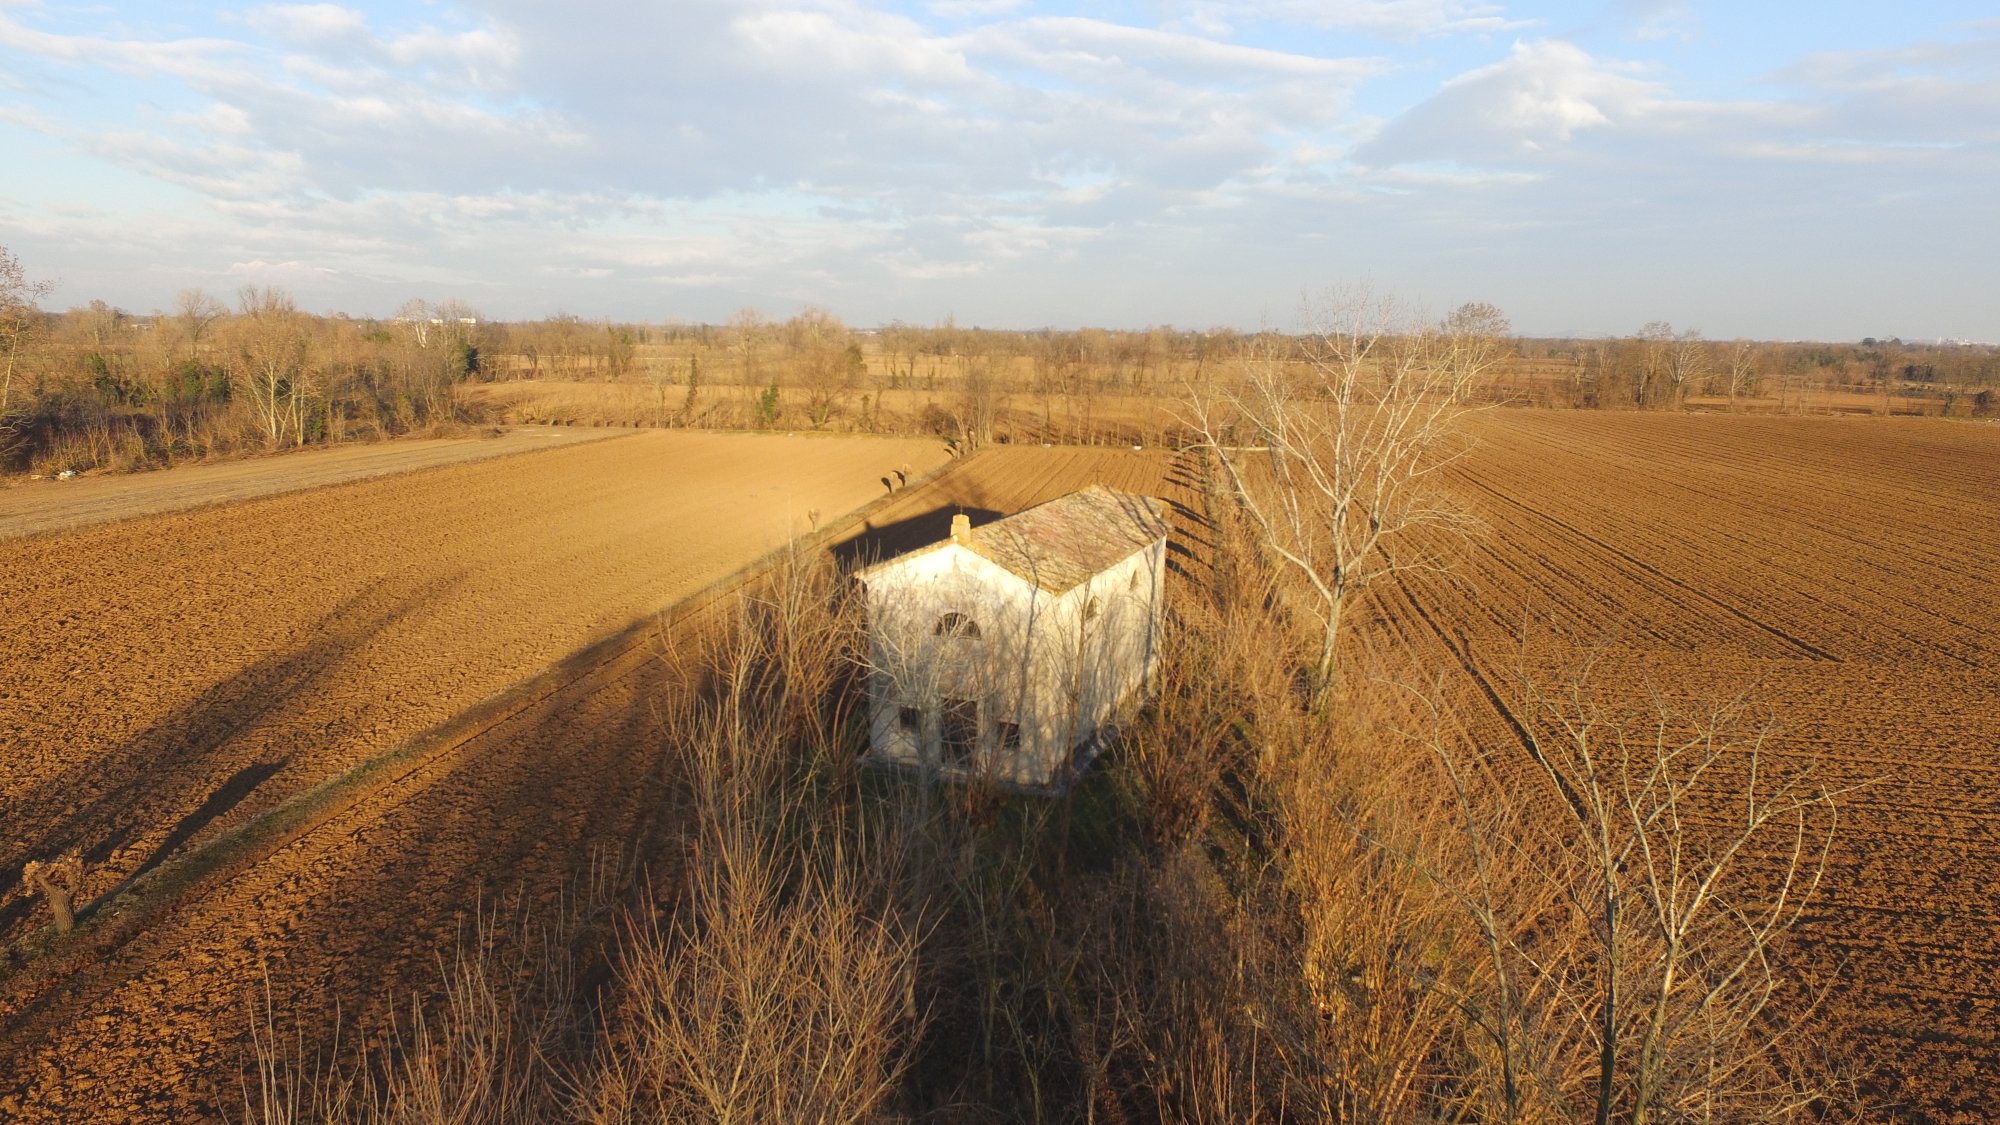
x: 100, y: 324
x: 1687, y: 362
x: 1654, y: 340
x: 980, y: 403
x: 1335, y: 456
x: 746, y: 338
x: 197, y: 311
x: 272, y: 352
x: 1474, y: 337
x: 1635, y: 873
x: 438, y: 351
x: 826, y: 359
x: 20, y: 318
x: 1670, y: 814
x: 1741, y: 362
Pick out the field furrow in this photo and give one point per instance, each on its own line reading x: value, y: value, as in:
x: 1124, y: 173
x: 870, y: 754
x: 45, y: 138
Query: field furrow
x: 1838, y: 576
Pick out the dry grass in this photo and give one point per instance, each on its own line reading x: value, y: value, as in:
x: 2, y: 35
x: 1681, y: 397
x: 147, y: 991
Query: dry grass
x: 1252, y: 909
x: 770, y: 978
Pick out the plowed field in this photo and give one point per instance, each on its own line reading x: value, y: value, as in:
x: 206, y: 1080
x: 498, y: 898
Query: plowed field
x: 1845, y: 576
x: 168, y: 678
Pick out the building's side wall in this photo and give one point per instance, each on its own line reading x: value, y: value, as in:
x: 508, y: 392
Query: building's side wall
x: 1110, y: 628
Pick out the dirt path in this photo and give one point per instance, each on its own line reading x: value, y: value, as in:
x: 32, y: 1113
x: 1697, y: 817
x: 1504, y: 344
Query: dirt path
x: 29, y: 507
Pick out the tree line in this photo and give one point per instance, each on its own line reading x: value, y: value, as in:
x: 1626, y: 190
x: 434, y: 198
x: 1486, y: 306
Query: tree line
x: 1660, y: 367
x: 96, y: 386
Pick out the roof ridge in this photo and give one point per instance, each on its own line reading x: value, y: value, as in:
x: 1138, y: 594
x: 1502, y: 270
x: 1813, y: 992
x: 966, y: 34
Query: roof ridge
x: 1064, y: 540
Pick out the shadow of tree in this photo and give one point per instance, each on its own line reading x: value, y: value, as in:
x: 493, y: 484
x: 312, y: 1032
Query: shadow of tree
x: 188, y: 769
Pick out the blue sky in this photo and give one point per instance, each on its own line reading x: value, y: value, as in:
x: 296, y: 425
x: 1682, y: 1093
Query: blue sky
x: 1773, y: 170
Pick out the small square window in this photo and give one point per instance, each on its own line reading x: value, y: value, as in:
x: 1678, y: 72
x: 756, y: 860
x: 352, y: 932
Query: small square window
x: 1009, y: 735
x: 910, y: 719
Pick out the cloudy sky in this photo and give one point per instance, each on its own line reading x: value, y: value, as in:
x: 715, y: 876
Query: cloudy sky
x: 1780, y: 170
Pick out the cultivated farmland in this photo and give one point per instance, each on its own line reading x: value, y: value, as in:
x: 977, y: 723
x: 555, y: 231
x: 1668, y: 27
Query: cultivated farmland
x: 1842, y: 576
x: 1838, y: 573
x: 168, y: 678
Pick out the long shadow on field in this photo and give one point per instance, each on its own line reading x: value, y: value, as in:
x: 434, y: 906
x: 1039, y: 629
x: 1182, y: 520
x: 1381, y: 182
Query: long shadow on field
x: 370, y: 908
x: 240, y: 785
x: 193, y: 767
x: 342, y: 927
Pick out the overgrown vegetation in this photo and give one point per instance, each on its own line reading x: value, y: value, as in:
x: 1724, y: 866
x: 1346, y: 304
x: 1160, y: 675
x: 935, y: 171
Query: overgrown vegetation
x: 1254, y: 908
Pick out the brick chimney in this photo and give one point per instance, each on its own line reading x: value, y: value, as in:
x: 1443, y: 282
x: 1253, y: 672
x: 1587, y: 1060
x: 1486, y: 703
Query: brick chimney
x: 961, y: 528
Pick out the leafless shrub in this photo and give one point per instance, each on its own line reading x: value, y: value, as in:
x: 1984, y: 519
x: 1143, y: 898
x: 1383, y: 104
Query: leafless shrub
x: 487, y: 1048
x: 783, y: 987
x: 778, y: 995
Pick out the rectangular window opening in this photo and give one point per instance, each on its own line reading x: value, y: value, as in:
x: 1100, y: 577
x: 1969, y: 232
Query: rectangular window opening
x: 910, y: 720
x: 1009, y: 735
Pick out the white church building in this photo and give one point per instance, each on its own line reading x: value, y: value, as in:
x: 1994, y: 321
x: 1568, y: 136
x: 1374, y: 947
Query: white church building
x: 1007, y: 651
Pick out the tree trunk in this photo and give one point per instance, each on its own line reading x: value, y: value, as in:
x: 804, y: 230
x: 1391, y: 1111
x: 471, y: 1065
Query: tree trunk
x: 59, y: 903
x: 1607, y: 1049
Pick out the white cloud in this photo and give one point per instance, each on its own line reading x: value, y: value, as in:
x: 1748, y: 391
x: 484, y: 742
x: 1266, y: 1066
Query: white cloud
x: 1919, y: 92
x: 1390, y: 19
x: 29, y: 118
x: 1656, y: 20
x: 1067, y: 41
x: 310, y: 24
x: 1536, y: 99
x: 222, y: 169
x: 278, y: 271
x: 849, y: 42
x: 187, y: 58
x: 993, y: 156
x: 974, y: 9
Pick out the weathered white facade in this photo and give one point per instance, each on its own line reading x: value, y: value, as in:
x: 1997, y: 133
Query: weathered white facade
x: 1006, y: 650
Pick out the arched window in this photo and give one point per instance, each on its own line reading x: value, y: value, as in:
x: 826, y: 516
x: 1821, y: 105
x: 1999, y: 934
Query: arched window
x: 956, y: 625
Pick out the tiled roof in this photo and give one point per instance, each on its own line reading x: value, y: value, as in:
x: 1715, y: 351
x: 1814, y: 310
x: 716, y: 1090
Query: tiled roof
x: 1059, y: 544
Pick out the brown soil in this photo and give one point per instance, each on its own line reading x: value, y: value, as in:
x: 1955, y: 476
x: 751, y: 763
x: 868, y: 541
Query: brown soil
x: 170, y: 677
x: 1841, y: 575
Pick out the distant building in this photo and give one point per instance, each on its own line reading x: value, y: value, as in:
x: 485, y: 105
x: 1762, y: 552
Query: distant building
x: 1009, y: 651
